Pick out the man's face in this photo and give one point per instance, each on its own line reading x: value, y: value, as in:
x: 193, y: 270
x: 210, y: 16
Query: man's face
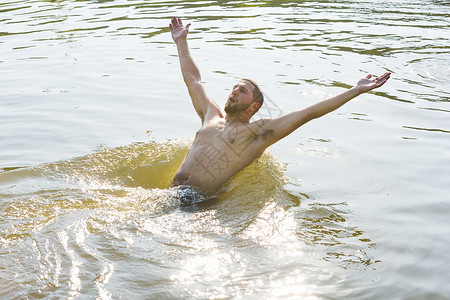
x: 241, y: 97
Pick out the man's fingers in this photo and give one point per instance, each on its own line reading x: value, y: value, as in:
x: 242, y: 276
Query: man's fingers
x: 175, y: 22
x: 385, y: 77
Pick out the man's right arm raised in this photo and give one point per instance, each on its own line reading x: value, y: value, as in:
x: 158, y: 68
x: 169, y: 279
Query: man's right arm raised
x: 205, y: 107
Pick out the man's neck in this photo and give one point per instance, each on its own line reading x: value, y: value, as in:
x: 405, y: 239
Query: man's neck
x: 239, y: 118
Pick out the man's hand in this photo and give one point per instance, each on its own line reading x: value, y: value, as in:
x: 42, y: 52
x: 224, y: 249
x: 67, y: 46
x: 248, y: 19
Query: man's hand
x: 178, y: 30
x: 368, y: 83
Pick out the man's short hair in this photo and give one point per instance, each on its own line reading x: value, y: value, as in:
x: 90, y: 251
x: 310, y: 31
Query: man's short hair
x: 257, y: 94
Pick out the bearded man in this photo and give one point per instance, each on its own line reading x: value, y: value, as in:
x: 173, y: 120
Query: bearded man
x: 227, y: 143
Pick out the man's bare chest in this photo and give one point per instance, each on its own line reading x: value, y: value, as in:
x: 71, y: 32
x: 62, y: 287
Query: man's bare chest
x: 229, y: 139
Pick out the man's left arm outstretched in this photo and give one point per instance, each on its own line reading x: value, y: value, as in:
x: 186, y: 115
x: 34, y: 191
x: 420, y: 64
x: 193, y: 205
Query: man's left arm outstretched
x: 284, y: 125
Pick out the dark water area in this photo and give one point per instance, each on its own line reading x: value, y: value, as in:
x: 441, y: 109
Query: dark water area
x: 95, y: 119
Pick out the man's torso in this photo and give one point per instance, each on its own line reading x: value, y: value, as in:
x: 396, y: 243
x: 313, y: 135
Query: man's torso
x: 220, y: 150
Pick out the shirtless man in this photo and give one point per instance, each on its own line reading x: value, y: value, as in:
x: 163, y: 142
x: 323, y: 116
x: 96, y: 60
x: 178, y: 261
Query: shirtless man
x: 226, y: 144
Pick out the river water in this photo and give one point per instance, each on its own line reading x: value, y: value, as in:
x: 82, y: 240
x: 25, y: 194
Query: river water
x: 95, y: 119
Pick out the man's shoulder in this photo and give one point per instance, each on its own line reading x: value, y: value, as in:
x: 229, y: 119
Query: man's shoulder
x: 212, y: 112
x: 213, y: 117
x: 260, y: 125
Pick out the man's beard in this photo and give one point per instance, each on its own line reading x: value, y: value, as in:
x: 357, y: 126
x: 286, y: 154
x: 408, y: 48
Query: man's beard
x: 233, y: 108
